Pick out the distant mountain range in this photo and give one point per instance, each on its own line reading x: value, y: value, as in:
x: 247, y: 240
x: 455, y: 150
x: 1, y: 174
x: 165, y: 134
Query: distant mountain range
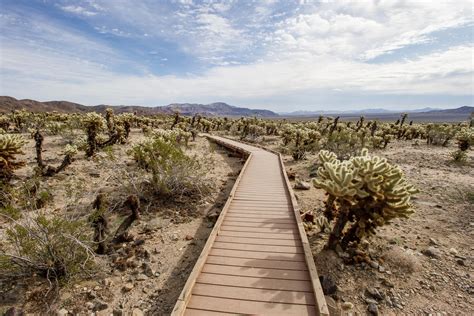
x: 8, y: 104
x: 463, y: 109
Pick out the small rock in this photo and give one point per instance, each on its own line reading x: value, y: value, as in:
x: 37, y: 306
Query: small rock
x: 374, y: 293
x: 373, y: 309
x: 432, y: 252
x: 62, y: 312
x: 127, y: 287
x: 90, y: 305
x: 302, y: 185
x: 328, y: 285
x: 460, y: 262
x: 174, y: 237
x: 347, y: 306
x: 142, y: 277
x: 189, y: 237
x: 433, y: 242
x: 374, y: 264
x: 148, y: 270
x: 381, y: 269
x: 154, y: 224
x: 453, y: 251
x: 370, y: 301
x: 213, y: 214
x: 137, y: 312
x: 99, y: 305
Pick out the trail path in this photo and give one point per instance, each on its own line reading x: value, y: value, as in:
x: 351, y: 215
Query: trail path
x: 257, y: 259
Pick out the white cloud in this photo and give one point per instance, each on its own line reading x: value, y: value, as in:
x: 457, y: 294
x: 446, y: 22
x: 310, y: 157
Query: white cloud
x: 78, y: 10
x: 367, y: 29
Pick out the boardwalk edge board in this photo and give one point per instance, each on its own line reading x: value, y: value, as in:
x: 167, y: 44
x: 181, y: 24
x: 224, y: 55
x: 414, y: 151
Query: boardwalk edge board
x: 185, y: 296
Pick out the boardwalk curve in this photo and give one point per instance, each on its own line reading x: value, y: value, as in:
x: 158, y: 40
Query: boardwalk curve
x: 257, y: 258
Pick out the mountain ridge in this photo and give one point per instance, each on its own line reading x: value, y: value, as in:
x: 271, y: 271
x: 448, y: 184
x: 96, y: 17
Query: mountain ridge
x: 8, y: 104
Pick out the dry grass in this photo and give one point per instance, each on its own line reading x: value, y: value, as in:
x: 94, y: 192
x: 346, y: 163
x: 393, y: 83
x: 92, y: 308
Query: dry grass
x: 401, y: 260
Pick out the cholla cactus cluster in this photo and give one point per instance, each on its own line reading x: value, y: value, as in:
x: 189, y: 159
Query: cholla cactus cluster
x: 4, y: 123
x: 10, y: 147
x: 364, y: 192
x: 464, y: 139
x: 93, y: 123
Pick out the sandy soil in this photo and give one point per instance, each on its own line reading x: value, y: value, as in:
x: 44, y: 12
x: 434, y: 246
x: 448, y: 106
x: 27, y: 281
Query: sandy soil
x: 147, y: 274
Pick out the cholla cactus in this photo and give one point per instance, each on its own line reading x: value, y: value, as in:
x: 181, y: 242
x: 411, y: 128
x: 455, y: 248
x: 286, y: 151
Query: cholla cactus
x: 93, y: 124
x: 365, y: 191
x: 109, y: 118
x: 10, y: 146
x: 465, y: 139
x: 4, y: 122
x: 126, y: 120
x: 46, y: 170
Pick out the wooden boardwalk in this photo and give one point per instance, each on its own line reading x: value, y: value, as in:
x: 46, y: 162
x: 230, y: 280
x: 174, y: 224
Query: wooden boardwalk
x: 257, y: 259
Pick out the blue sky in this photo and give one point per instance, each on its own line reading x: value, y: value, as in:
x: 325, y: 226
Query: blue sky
x: 279, y: 55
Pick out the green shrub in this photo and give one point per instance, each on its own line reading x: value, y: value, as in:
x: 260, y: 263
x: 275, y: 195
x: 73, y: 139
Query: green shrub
x: 172, y: 172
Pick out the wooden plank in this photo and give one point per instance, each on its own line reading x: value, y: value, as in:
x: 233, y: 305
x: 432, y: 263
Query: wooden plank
x: 268, y: 224
x: 255, y: 283
x: 202, y: 312
x: 262, y: 230
x: 242, y: 206
x: 259, y: 235
x: 248, y: 307
x: 257, y: 248
x: 260, y: 220
x: 257, y: 255
x: 257, y: 263
x: 263, y: 215
x: 261, y: 200
x: 256, y: 272
x: 256, y: 241
x: 261, y: 208
x: 304, y: 298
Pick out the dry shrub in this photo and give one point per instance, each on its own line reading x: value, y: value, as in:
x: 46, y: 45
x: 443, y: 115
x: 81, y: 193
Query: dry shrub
x: 401, y: 260
x: 56, y: 248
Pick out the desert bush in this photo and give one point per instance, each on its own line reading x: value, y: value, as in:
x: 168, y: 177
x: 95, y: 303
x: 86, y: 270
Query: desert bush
x: 54, y: 248
x: 402, y: 260
x: 10, y: 147
x: 364, y: 192
x: 172, y: 172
